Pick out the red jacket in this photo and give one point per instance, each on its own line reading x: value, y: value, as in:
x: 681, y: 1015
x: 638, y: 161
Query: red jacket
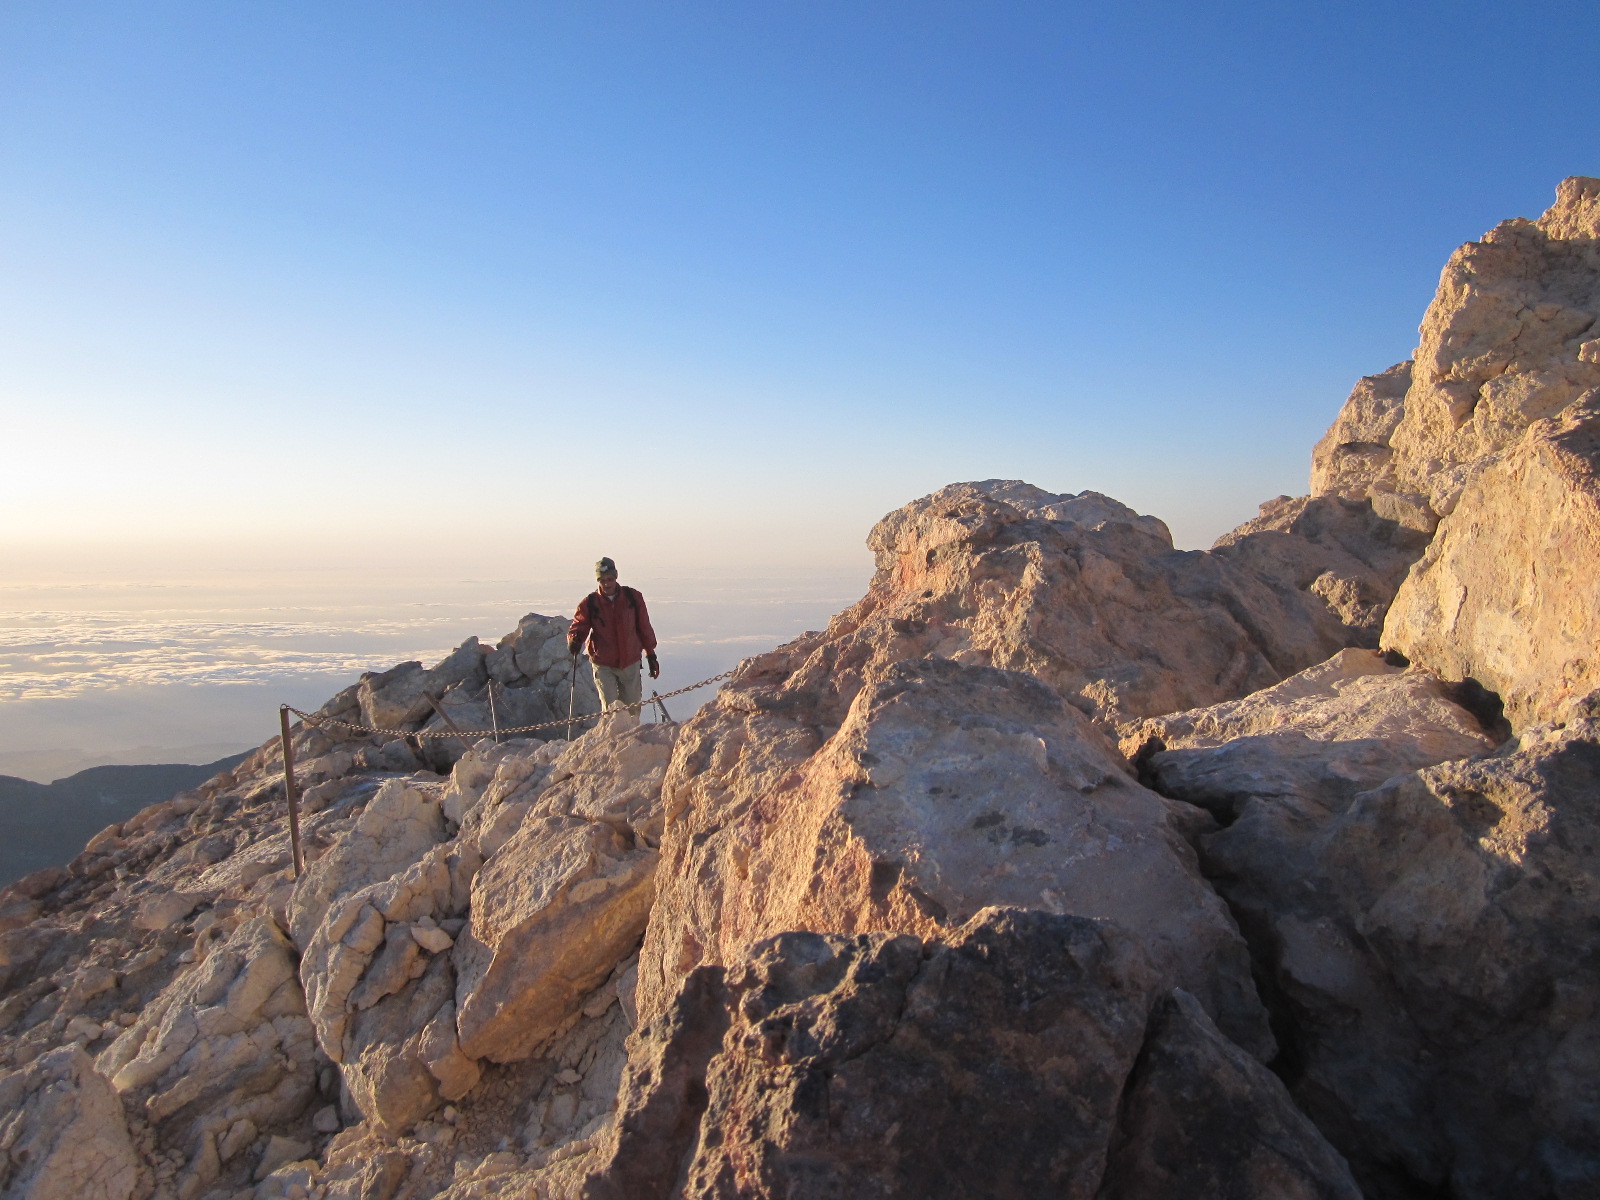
x: 618, y: 630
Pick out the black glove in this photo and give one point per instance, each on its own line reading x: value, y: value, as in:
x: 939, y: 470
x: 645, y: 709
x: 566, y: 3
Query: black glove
x: 655, y: 664
x: 573, y: 646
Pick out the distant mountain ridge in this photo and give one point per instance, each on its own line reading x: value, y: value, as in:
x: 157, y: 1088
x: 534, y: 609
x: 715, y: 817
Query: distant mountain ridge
x: 46, y: 823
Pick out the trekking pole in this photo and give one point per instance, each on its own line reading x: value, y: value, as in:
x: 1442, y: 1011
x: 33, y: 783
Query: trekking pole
x: 572, y: 695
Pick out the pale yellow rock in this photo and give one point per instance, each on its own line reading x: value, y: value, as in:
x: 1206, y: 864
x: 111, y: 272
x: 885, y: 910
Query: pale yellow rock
x: 1507, y: 592
x: 555, y: 909
x: 565, y: 897
x: 1107, y: 613
x: 431, y: 938
x: 1354, y: 456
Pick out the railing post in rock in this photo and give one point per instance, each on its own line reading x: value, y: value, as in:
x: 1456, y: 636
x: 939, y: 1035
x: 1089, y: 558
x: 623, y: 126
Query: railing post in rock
x: 289, y: 788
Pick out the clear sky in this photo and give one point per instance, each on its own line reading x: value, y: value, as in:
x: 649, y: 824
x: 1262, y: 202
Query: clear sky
x: 720, y: 283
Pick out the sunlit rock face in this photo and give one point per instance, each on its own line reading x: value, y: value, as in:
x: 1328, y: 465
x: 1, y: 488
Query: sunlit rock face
x: 1506, y: 593
x: 1492, y: 432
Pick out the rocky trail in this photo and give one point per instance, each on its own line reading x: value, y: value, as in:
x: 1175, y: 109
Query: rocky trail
x: 1064, y: 863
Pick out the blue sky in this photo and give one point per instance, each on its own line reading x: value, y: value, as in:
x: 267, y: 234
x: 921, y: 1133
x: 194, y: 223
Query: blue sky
x: 719, y: 284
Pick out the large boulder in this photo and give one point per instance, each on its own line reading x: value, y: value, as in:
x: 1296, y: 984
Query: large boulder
x: 565, y: 897
x: 1509, y: 340
x: 1506, y: 342
x: 398, y: 698
x: 1103, y: 610
x: 398, y: 825
x: 1492, y: 428
x: 1201, y: 1118
x: 946, y: 790
x: 380, y: 989
x: 1348, y: 555
x: 994, y: 1064
x: 1355, y: 453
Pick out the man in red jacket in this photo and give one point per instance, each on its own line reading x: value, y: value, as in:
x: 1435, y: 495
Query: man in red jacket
x: 617, y: 624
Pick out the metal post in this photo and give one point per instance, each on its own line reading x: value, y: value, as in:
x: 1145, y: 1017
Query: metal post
x: 445, y: 717
x: 661, y: 706
x: 494, y: 720
x: 289, y: 788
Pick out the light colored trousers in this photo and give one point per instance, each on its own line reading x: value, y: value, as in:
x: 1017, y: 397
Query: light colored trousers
x: 618, y: 685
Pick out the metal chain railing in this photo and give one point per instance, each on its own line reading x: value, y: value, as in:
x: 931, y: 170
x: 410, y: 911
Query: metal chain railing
x: 319, y: 719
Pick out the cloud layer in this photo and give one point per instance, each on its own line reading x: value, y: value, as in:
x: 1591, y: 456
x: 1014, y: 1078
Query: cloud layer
x: 52, y: 655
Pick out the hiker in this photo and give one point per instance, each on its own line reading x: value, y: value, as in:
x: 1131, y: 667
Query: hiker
x: 617, y: 624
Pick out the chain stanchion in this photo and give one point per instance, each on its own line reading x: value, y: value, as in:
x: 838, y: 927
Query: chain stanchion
x: 451, y: 725
x: 464, y: 734
x: 291, y: 792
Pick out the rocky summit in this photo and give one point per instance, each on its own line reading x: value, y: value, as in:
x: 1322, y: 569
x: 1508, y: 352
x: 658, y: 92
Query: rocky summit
x: 1064, y: 863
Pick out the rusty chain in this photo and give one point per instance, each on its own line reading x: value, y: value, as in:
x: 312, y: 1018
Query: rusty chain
x: 318, y: 719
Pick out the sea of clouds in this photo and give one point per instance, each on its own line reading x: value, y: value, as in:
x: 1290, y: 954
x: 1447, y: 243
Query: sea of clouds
x: 190, y: 675
x: 53, y: 655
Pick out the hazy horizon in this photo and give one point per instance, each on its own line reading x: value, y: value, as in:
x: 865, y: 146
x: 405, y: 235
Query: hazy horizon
x: 191, y: 670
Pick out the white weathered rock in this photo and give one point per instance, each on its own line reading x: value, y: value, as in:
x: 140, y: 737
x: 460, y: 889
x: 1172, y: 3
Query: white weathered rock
x: 225, y: 1044
x: 382, y: 999
x: 162, y: 909
x: 280, y: 1152
x: 401, y: 1056
x: 1365, y: 718
x: 63, y: 1135
x: 397, y: 827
